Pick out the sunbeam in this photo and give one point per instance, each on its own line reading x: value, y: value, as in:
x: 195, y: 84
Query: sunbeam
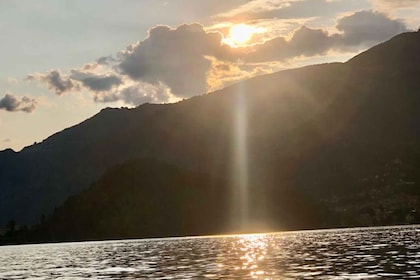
x: 240, y: 160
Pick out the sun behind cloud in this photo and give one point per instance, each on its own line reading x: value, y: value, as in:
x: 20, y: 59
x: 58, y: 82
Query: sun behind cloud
x: 240, y: 34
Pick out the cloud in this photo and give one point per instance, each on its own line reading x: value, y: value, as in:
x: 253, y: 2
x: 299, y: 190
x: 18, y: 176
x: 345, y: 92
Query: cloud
x: 367, y: 27
x: 304, y: 42
x: 361, y: 29
x: 12, y: 81
x: 255, y: 7
x: 136, y: 94
x: 7, y: 140
x: 55, y: 81
x: 176, y: 63
x: 395, y: 4
x: 11, y: 103
x: 96, y: 82
x: 175, y: 57
x: 292, y: 9
x: 224, y: 73
x: 106, y: 60
x: 407, y: 9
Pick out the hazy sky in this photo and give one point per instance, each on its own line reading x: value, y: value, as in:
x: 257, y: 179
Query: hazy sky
x: 64, y: 60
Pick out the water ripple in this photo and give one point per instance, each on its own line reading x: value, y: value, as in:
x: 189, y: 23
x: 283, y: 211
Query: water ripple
x: 369, y: 253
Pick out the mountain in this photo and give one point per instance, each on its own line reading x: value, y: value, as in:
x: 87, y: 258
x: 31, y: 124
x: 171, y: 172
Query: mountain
x: 142, y: 197
x: 153, y: 199
x: 148, y: 198
x: 341, y: 136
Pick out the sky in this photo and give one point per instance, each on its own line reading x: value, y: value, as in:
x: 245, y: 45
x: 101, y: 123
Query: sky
x: 62, y: 61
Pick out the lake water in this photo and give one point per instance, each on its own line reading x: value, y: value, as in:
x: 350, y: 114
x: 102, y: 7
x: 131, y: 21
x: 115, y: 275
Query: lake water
x: 361, y: 253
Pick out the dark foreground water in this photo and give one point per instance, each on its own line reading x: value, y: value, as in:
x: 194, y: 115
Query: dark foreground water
x: 366, y: 253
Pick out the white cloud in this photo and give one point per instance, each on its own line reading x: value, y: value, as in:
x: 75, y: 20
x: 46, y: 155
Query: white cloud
x: 12, y: 81
x: 395, y: 4
x: 292, y: 9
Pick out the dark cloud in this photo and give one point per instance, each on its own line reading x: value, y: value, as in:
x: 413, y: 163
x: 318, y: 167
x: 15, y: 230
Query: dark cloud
x: 361, y: 29
x: 179, y: 57
x: 305, y: 41
x: 106, y: 60
x: 308, y: 42
x: 11, y: 103
x: 175, y: 57
x: 96, y: 82
x: 367, y: 26
x: 55, y: 81
x: 101, y: 83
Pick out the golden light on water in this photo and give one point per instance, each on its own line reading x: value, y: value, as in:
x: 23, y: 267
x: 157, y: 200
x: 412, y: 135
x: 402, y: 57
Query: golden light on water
x: 253, y: 250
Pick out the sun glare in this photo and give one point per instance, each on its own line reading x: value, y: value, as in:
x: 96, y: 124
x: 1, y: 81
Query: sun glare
x: 241, y: 34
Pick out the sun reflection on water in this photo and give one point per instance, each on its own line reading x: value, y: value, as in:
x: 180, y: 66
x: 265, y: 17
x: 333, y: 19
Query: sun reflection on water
x: 373, y: 253
x: 253, y: 250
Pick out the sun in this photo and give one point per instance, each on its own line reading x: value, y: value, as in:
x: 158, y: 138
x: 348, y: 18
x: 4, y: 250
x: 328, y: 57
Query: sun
x: 240, y: 34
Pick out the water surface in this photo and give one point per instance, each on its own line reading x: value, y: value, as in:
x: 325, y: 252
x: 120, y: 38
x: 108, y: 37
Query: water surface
x: 364, y: 253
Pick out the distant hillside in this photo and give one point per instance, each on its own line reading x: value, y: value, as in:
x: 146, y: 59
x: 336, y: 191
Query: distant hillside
x: 147, y: 198
x: 336, y: 134
x: 143, y: 198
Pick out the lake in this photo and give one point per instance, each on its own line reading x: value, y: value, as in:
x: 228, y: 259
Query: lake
x: 359, y: 253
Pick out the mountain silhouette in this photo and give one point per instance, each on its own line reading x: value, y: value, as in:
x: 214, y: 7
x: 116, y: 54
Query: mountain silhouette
x: 338, y: 139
